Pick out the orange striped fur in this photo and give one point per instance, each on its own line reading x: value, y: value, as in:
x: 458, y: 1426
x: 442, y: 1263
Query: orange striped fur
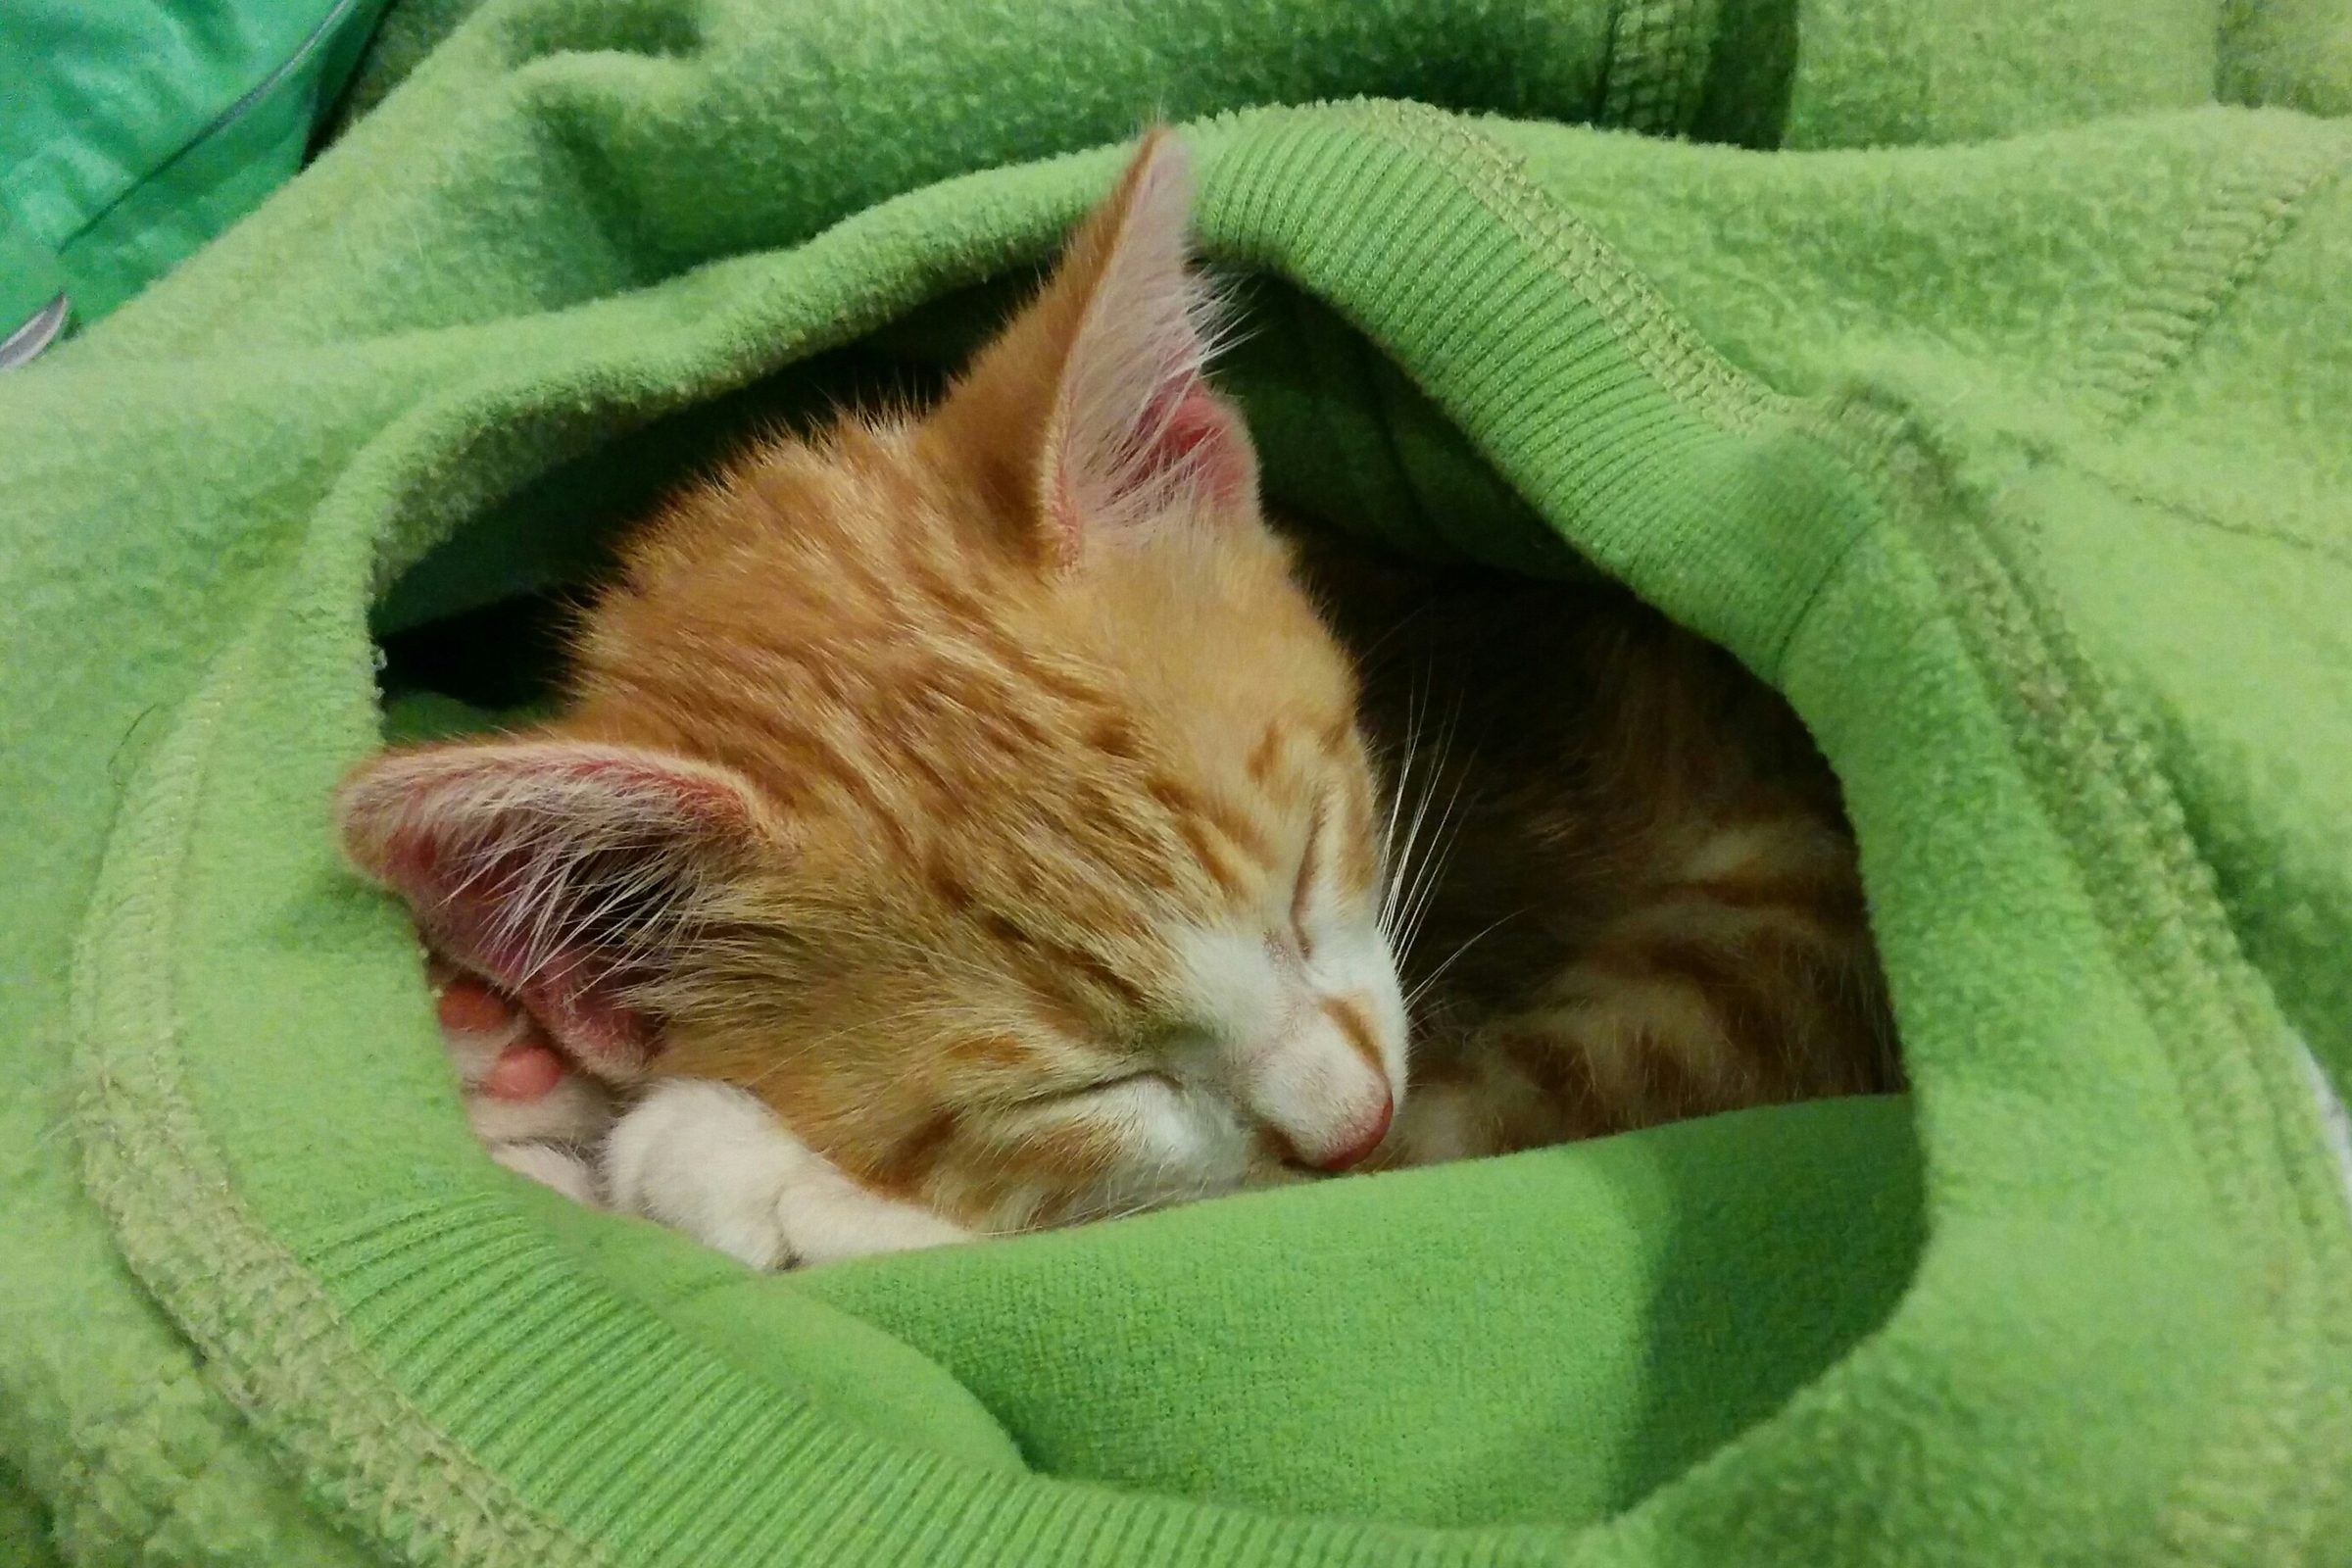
x: 980, y: 789
x: 985, y: 792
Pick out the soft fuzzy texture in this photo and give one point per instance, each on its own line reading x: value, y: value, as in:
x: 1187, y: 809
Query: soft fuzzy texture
x: 2018, y: 463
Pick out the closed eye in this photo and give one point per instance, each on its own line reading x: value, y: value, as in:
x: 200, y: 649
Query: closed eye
x: 1303, y: 895
x: 1150, y: 1077
x: 1125, y: 1080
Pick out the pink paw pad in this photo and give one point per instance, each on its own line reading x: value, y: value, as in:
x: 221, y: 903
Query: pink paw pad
x: 525, y: 1070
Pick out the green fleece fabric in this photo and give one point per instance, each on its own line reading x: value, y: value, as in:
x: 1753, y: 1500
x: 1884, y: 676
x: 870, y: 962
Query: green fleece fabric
x: 1977, y: 372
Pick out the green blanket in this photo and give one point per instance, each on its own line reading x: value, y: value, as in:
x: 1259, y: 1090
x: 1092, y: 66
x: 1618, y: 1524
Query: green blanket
x: 1979, y: 373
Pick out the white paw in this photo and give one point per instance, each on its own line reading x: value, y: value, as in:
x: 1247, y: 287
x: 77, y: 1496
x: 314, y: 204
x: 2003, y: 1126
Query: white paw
x: 551, y: 1165
x: 713, y: 1162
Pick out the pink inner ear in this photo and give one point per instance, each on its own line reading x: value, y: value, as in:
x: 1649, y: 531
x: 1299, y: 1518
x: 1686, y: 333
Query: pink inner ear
x: 1191, y: 427
x: 571, y: 989
x: 549, y: 868
x: 1185, y: 439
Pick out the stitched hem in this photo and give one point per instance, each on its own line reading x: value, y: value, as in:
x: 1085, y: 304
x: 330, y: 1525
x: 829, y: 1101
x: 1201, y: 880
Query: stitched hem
x: 2169, y: 934
x: 2247, y: 213
x: 2100, y: 470
x: 287, y: 1359
x: 1636, y: 316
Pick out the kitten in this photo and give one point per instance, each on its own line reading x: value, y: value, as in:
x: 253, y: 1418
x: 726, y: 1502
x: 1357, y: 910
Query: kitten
x: 982, y: 797
x: 980, y: 793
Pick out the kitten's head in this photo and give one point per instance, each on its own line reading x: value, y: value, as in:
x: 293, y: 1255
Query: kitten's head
x: 980, y: 789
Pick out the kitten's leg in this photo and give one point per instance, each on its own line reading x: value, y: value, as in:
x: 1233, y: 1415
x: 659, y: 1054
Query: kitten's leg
x: 711, y: 1160
x: 535, y: 1113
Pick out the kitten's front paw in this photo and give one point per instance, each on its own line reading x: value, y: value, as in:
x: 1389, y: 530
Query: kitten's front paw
x: 712, y: 1162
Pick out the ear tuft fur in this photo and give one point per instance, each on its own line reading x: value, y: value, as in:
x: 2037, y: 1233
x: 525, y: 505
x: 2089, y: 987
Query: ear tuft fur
x: 566, y: 872
x: 1095, y: 403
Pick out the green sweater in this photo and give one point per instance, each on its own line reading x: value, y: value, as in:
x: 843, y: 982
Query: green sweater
x: 2013, y: 441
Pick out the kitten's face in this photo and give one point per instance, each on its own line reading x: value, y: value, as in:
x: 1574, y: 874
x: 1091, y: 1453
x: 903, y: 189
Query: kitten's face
x: 981, y: 791
x: 1063, y: 941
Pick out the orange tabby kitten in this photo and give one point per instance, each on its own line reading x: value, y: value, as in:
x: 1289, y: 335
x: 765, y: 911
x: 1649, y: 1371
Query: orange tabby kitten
x: 967, y: 823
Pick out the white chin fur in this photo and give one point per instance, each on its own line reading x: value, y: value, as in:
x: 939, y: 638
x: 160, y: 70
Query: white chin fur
x: 1177, y: 1146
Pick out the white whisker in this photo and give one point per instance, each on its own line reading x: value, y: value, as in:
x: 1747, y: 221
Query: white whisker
x: 1427, y: 982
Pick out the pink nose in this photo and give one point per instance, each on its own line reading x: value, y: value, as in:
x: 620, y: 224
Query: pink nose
x: 1367, y: 1138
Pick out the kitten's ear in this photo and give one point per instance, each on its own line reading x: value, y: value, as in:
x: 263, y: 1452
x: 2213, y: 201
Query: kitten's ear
x: 1089, y: 415
x: 568, y: 872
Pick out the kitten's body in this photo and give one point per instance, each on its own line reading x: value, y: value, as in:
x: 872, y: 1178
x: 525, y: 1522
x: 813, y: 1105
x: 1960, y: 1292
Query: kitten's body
x: 1640, y: 898
x: 982, y: 797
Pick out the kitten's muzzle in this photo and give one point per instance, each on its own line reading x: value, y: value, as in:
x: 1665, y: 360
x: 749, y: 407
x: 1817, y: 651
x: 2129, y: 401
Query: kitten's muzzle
x: 1360, y: 1143
x: 1342, y: 1149
x: 1319, y: 1088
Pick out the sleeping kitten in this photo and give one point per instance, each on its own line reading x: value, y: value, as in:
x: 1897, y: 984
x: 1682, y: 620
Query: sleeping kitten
x: 982, y: 797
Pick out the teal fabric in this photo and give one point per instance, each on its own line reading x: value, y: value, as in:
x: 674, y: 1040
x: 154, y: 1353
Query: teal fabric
x: 134, y: 130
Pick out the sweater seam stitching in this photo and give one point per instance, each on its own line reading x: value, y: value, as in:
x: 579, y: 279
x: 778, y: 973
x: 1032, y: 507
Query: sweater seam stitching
x: 2212, y: 260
